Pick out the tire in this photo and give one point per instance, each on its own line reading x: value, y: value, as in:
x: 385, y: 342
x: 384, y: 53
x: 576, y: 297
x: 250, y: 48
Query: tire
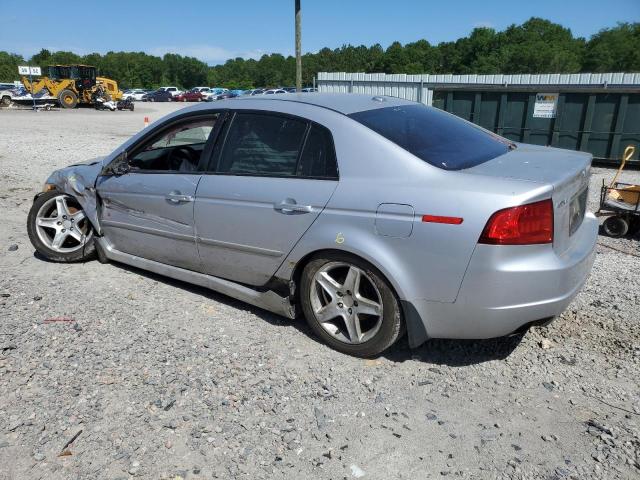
x: 6, y: 101
x: 43, y: 228
x: 377, y: 331
x: 615, y: 226
x: 68, y: 98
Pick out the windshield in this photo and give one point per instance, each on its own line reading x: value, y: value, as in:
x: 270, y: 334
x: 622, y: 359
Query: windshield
x: 440, y: 139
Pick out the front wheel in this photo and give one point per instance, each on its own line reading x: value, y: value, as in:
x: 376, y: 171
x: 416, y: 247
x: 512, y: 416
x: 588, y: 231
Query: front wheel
x: 58, y: 228
x: 68, y: 98
x: 348, y: 303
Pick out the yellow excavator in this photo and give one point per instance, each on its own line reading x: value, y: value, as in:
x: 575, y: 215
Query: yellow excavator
x: 74, y: 84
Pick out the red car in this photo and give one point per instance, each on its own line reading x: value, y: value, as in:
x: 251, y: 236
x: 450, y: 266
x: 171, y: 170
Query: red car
x: 193, y: 95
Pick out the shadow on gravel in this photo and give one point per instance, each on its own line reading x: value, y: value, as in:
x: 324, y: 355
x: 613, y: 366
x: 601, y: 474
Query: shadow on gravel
x: 454, y: 353
x: 265, y: 315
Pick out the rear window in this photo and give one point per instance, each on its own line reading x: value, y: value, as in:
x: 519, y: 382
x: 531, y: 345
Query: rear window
x: 434, y: 136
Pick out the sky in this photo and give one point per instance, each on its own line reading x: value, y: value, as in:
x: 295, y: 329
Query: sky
x: 214, y: 31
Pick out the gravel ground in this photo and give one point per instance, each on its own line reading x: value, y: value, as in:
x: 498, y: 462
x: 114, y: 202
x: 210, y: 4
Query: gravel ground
x: 152, y: 378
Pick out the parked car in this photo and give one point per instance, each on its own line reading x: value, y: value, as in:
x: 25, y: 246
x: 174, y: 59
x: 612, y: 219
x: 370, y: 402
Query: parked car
x: 309, y: 90
x: 159, y: 95
x: 272, y: 91
x: 172, y: 90
x: 6, y: 96
x: 255, y: 91
x: 197, y: 94
x: 237, y: 93
x: 8, y: 92
x: 220, y: 96
x: 289, y: 89
x: 134, y: 94
x: 20, y: 95
x: 372, y: 216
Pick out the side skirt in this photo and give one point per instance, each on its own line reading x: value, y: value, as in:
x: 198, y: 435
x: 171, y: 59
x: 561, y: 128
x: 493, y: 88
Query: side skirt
x: 268, y: 300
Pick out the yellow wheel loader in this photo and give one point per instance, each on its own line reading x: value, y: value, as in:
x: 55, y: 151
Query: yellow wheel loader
x: 73, y: 84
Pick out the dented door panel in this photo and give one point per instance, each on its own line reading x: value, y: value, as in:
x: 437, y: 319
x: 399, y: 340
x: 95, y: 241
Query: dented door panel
x: 150, y: 215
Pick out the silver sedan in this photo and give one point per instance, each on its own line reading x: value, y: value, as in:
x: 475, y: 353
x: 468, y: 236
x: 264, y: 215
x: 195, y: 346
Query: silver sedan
x: 370, y: 216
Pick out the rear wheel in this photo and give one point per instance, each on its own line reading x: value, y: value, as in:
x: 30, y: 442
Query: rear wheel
x: 6, y: 100
x: 68, y: 98
x: 59, y: 229
x: 615, y: 226
x: 349, y: 304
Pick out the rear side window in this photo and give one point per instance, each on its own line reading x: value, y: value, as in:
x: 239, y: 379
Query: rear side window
x: 436, y: 137
x: 318, y: 158
x: 262, y: 144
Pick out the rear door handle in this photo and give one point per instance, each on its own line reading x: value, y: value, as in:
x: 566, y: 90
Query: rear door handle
x: 177, y: 197
x: 289, y: 206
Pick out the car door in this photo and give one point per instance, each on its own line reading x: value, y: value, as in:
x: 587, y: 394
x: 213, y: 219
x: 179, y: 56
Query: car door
x: 273, y: 176
x: 148, y: 211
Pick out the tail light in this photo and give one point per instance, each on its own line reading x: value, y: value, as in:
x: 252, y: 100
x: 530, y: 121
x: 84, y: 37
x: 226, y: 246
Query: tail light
x: 521, y: 225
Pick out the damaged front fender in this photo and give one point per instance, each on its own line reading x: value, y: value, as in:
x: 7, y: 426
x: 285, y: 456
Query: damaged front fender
x: 79, y: 181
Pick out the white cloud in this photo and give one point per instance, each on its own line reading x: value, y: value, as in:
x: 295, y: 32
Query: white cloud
x: 483, y: 24
x: 207, y: 53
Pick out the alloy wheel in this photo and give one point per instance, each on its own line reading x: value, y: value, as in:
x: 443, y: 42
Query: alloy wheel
x: 346, y: 302
x: 62, y: 225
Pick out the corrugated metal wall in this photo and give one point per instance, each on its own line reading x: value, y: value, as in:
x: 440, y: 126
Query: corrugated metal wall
x: 342, y: 80
x: 410, y: 87
x: 597, y: 113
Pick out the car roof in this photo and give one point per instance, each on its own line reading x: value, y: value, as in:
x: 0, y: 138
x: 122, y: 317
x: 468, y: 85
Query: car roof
x: 345, y: 103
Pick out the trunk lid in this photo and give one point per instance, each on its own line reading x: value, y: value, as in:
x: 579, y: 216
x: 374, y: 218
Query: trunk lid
x: 566, y: 171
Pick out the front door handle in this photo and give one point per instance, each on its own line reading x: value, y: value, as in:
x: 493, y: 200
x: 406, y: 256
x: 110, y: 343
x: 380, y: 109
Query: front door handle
x: 177, y: 197
x: 289, y: 206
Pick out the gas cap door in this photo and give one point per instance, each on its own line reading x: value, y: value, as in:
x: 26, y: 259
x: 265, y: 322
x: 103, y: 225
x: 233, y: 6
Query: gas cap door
x: 394, y: 220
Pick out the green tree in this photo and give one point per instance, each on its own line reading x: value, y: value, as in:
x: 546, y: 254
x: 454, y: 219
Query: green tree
x: 9, y: 63
x: 614, y: 50
x: 540, y: 46
x: 536, y: 46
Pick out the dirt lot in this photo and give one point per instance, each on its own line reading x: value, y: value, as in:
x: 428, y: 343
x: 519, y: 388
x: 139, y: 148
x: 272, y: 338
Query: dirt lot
x: 153, y: 378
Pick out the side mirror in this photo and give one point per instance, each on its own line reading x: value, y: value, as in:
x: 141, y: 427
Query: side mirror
x: 118, y: 166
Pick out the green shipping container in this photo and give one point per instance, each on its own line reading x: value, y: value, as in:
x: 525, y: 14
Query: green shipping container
x: 603, y: 122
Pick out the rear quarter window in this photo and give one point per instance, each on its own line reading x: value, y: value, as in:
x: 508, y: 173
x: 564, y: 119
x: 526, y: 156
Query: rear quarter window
x: 438, y: 138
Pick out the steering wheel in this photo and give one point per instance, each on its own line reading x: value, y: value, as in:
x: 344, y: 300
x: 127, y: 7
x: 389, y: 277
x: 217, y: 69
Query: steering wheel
x: 179, y: 154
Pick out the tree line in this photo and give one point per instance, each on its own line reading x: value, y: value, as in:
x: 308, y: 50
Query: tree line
x: 536, y: 46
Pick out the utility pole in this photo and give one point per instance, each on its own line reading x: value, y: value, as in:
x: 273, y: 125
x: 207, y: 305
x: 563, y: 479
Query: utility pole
x: 298, y: 47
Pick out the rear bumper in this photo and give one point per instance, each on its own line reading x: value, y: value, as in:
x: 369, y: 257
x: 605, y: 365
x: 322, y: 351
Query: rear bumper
x: 507, y: 287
